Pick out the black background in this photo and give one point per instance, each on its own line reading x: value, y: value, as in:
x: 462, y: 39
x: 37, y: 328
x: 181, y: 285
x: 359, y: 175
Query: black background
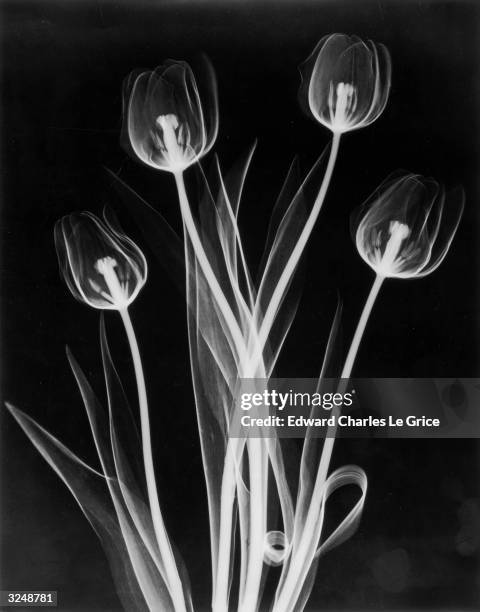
x: 62, y: 69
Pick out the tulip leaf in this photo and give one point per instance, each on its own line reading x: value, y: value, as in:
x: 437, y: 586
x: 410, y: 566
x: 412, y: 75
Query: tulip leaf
x: 343, y: 476
x: 138, y: 582
x: 162, y: 239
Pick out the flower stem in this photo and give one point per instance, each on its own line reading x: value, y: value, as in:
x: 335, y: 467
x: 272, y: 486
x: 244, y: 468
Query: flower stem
x: 289, y: 269
x: 258, y: 485
x: 220, y: 595
x: 347, y: 371
x: 174, y: 583
x: 362, y: 323
x: 304, y: 554
x: 207, y: 270
x: 228, y: 486
x: 257, y: 467
x: 256, y: 451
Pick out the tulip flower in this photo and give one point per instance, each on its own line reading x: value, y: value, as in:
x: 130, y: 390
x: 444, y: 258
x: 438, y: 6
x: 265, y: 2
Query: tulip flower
x: 345, y: 85
x: 101, y: 267
x: 236, y: 330
x: 106, y: 270
x: 401, y: 232
x: 397, y: 231
x: 165, y: 123
x: 346, y: 82
x: 168, y: 128
x: 397, y: 234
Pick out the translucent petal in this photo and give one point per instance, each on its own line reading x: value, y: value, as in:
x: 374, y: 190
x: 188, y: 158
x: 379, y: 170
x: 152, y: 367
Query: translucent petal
x: 346, y: 82
x: 84, y: 244
x: 418, y: 205
x: 169, y: 91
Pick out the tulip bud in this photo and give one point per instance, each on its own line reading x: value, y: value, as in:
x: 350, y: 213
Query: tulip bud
x: 101, y: 266
x: 346, y: 82
x: 403, y: 230
x: 164, y: 122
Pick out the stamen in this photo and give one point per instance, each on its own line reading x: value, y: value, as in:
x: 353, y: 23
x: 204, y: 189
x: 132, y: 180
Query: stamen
x: 398, y: 233
x: 330, y: 103
x: 171, y: 139
x: 106, y: 267
x: 345, y: 104
x: 165, y: 121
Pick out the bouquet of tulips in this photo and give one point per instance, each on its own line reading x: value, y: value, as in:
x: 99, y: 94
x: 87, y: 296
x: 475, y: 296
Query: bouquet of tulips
x: 237, y: 327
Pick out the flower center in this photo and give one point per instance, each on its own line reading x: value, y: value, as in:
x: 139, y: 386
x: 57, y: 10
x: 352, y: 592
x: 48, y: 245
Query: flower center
x: 343, y: 106
x: 173, y: 139
x: 106, y: 267
x: 398, y: 233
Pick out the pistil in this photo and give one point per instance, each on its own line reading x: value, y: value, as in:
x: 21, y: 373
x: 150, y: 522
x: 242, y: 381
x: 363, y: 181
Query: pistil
x: 343, y: 107
x: 169, y: 126
x: 398, y: 233
x: 106, y: 267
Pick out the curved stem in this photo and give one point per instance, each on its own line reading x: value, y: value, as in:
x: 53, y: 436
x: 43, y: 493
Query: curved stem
x: 362, y: 323
x: 300, y: 564
x: 207, y: 270
x: 346, y: 373
x: 289, y: 269
x: 221, y: 557
x: 256, y: 456
x: 174, y: 583
x: 252, y: 362
x: 255, y: 447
